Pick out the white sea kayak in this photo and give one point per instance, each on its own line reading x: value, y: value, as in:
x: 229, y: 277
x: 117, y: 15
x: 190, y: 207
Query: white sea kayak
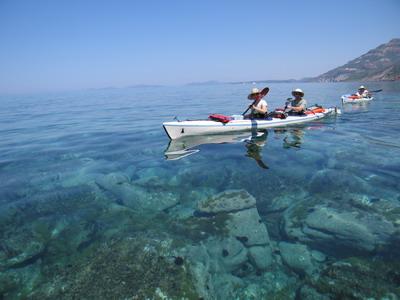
x: 178, y: 129
x: 352, y: 99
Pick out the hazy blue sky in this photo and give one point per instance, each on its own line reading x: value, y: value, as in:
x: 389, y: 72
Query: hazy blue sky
x: 61, y: 45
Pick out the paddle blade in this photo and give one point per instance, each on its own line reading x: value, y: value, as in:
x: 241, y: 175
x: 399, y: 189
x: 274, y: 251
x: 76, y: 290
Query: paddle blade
x: 265, y: 91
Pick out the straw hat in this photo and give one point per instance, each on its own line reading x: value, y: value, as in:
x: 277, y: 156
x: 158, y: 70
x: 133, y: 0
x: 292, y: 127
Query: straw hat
x: 300, y: 91
x: 254, y: 91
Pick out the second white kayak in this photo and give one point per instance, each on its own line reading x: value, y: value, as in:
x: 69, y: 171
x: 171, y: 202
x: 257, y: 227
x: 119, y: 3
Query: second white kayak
x: 352, y: 99
x: 178, y: 129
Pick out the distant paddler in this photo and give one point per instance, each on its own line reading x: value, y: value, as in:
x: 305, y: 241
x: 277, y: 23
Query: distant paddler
x: 362, y: 93
x: 259, y: 108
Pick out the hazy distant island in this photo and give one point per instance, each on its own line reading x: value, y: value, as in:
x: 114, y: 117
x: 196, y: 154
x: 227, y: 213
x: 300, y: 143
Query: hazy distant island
x: 379, y: 64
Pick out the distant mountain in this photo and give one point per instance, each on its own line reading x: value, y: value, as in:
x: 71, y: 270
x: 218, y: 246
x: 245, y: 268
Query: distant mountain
x: 134, y: 86
x: 263, y: 81
x: 381, y: 63
x: 209, y: 82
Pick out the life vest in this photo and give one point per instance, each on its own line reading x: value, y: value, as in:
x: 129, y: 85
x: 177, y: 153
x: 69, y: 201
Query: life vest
x: 220, y: 118
x: 354, y: 97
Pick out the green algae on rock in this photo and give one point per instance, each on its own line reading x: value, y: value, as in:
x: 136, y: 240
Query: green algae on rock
x: 360, y: 278
x: 135, y: 268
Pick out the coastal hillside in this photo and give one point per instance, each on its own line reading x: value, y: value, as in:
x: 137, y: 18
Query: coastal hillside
x: 381, y: 63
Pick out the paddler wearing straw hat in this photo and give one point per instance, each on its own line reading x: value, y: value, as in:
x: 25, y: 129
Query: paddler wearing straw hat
x: 298, y: 105
x: 259, y: 108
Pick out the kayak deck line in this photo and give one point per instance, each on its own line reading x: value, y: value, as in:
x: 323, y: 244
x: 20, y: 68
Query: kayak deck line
x: 178, y: 129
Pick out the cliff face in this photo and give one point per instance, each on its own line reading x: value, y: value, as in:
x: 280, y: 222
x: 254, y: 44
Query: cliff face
x: 381, y: 63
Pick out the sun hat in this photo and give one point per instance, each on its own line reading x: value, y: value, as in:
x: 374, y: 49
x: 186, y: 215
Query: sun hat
x: 300, y: 91
x: 253, y: 92
x: 361, y: 87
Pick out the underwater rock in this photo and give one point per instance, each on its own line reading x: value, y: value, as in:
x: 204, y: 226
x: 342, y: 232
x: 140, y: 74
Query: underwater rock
x: 243, y: 248
x: 247, y: 226
x: 225, y: 286
x: 135, y: 196
x: 297, y: 257
x: 282, y: 202
x: 212, y: 271
x: 359, y: 278
x: 236, y: 253
x: 25, y: 252
x: 227, y: 201
x: 140, y: 199
x: 318, y: 256
x: 17, y: 282
x: 196, y: 175
x: 261, y: 256
x: 153, y: 177
x: 331, y: 181
x: 339, y: 231
x: 309, y: 293
x: 111, y: 179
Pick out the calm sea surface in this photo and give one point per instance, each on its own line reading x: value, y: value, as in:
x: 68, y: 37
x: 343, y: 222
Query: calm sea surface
x: 91, y: 208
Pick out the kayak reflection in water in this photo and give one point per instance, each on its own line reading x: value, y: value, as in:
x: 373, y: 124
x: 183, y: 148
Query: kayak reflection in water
x: 178, y: 149
x: 254, y: 147
x: 293, y: 137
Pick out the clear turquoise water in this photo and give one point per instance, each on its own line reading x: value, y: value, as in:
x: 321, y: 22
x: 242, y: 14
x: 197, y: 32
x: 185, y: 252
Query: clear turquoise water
x: 82, y: 173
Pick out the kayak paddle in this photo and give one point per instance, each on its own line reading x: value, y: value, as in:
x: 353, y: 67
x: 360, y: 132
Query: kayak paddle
x: 377, y: 91
x: 264, y: 92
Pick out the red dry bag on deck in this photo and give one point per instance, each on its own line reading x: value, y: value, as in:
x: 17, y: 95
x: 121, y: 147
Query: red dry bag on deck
x: 220, y: 118
x: 315, y: 111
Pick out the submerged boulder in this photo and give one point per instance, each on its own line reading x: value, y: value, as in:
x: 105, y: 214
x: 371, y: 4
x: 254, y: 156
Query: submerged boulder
x: 227, y: 201
x: 339, y: 231
x: 136, y: 196
x: 243, y: 223
x: 247, y: 227
x: 297, y: 257
x: 261, y: 256
x: 24, y: 252
x: 331, y: 181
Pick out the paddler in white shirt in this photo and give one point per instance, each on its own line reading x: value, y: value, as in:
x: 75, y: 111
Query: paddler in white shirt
x: 259, y: 109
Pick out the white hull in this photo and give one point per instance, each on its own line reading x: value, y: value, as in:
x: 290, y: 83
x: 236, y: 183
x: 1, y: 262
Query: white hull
x: 178, y: 129
x: 346, y: 99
